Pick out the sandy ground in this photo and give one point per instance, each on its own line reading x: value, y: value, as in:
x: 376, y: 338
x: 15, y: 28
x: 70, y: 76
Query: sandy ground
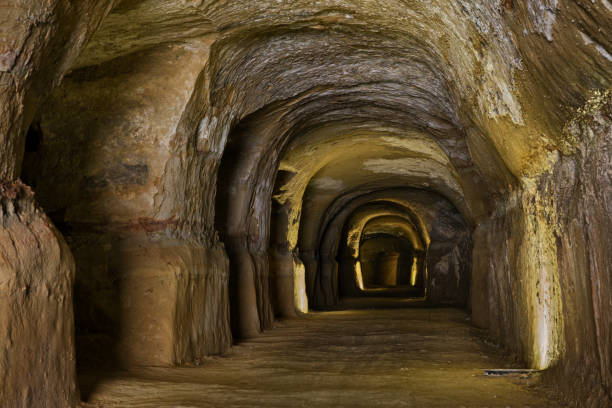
x: 390, y: 357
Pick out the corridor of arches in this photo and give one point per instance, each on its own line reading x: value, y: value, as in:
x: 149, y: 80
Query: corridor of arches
x: 305, y: 203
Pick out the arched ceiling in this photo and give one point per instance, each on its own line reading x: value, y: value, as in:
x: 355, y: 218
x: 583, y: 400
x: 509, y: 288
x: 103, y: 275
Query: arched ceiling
x: 463, y: 99
x: 380, y: 212
x: 392, y: 226
x: 282, y: 71
x: 443, y: 65
x: 425, y: 208
x: 332, y: 161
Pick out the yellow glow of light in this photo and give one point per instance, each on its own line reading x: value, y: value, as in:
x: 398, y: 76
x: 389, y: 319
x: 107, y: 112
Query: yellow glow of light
x: 358, y: 275
x: 299, y: 285
x: 413, y: 272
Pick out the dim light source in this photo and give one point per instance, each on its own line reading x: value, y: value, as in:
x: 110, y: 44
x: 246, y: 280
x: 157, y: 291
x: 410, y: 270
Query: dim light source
x: 413, y: 272
x: 358, y: 275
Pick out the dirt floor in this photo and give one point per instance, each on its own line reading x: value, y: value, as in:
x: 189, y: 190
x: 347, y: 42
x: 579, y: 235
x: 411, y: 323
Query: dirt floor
x: 391, y: 357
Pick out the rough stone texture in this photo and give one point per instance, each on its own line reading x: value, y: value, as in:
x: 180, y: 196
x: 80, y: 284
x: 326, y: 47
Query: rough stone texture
x: 583, y: 191
x: 525, y: 293
x: 148, y: 300
x: 314, y: 105
x: 564, y: 323
x: 151, y: 275
x: 37, y: 357
x: 449, y: 261
x: 174, y: 305
x: 39, y: 42
x: 442, y: 230
x: 357, y: 358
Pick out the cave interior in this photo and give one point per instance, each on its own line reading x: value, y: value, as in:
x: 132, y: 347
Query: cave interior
x: 190, y: 190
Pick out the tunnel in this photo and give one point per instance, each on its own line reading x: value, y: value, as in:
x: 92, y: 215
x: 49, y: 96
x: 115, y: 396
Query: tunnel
x: 305, y: 203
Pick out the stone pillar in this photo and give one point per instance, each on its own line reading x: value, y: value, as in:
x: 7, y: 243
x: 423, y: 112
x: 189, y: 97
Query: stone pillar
x: 419, y: 261
x: 387, y: 269
x: 174, y: 301
x: 282, y: 271
x: 243, y: 295
x: 299, y: 285
x: 37, y: 355
x: 309, y: 259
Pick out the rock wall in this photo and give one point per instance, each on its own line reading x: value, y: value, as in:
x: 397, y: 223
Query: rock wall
x: 469, y: 99
x: 449, y: 258
x: 37, y: 357
x: 582, y: 191
x: 555, y: 312
x: 148, y: 299
x: 116, y: 166
x: 38, y: 45
x: 174, y: 301
x: 525, y: 294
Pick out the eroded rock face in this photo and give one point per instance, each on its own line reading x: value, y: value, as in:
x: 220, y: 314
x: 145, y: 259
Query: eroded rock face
x: 36, y: 281
x: 39, y: 42
x: 583, y: 203
x: 449, y: 258
x: 174, y: 303
x: 305, y: 109
x: 559, y: 222
x: 152, y: 276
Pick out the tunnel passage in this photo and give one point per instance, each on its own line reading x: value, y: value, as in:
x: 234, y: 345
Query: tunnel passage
x: 388, y: 259
x: 432, y: 224
x: 191, y: 171
x: 353, y: 272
